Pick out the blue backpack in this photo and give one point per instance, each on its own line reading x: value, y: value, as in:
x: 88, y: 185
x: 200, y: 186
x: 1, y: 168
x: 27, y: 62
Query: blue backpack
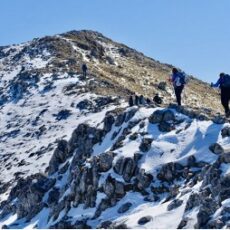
x: 226, y: 81
x: 180, y: 79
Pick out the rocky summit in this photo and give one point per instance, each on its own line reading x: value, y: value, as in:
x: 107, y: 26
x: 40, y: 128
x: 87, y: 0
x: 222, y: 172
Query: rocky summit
x: 73, y: 154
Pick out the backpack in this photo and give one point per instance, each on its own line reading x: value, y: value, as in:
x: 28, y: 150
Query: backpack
x: 226, y: 81
x: 180, y: 79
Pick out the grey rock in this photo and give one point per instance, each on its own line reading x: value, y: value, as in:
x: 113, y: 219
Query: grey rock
x: 193, y: 201
x: 209, y: 206
x: 225, y: 158
x: 133, y: 137
x: 146, y: 144
x: 225, y: 187
x: 216, y: 148
x: 105, y: 224
x: 124, y: 208
x: 162, y: 86
x: 108, y: 122
x: 219, y: 120
x: 183, y: 223
x: 156, y: 117
x: 82, y: 141
x: 225, y: 132
x: 119, y: 189
x: 129, y: 169
x: 212, y: 178
x: 174, y: 204
x: 109, y: 186
x: 85, y: 104
x: 119, y: 166
x: 170, y: 171
x: 168, y: 115
x: 130, y: 114
x: 143, y: 179
x: 144, y: 220
x: 60, y: 155
x: 62, y: 115
x: 215, y: 224
x: 53, y: 196
x: 105, y: 161
x: 105, y: 203
x: 166, y: 126
x: 191, y: 161
x: 120, y: 119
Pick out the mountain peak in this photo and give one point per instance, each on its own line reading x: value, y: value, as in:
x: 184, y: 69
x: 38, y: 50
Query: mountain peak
x: 73, y: 154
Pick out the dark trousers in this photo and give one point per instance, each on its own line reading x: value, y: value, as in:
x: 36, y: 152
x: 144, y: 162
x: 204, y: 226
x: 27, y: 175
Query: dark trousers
x: 225, y: 98
x: 84, y: 73
x: 178, y: 92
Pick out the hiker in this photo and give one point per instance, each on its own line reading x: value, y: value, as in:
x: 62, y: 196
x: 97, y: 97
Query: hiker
x: 157, y: 99
x: 148, y: 101
x: 136, y: 100
x: 178, y: 81
x: 131, y: 101
x: 142, y: 100
x: 224, y: 84
x: 84, y: 70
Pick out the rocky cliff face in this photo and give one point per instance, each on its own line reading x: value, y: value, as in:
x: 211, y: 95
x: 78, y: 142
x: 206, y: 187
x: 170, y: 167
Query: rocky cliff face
x: 73, y: 155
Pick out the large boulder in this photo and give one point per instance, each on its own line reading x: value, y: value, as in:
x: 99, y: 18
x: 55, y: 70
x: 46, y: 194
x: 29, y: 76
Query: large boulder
x: 166, y: 126
x: 83, y: 139
x: 129, y: 169
x: 208, y: 208
x: 108, y: 122
x: 105, y: 161
x: 60, y: 155
x: 159, y: 116
x: 30, y: 193
x: 143, y: 179
x: 156, y: 117
x: 170, y: 171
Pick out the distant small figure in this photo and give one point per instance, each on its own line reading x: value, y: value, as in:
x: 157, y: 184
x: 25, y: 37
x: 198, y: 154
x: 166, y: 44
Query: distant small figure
x: 224, y: 84
x: 157, y: 99
x: 148, y: 101
x: 136, y: 100
x: 131, y: 103
x: 84, y: 70
x: 142, y: 100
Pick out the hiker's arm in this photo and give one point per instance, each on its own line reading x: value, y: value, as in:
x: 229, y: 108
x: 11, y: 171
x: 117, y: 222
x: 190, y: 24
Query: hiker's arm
x: 216, y: 84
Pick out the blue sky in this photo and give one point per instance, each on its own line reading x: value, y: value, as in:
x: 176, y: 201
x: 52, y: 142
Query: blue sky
x: 191, y: 34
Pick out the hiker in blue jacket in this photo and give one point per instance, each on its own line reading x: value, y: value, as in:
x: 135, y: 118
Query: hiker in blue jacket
x: 178, y: 81
x: 224, y: 84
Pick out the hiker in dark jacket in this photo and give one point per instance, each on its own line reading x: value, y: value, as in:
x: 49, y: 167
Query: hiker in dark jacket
x: 131, y: 103
x: 178, y: 81
x: 224, y: 84
x: 142, y: 100
x: 136, y: 100
x: 84, y: 70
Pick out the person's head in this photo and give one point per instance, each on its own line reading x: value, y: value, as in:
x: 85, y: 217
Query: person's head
x: 174, y: 70
x: 222, y: 75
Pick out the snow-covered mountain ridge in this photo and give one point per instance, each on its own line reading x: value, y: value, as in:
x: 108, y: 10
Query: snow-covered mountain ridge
x: 73, y: 155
